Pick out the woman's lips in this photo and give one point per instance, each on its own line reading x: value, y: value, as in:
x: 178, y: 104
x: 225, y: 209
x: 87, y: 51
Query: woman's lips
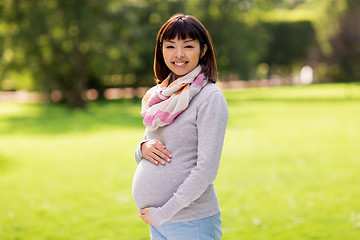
x: 180, y: 64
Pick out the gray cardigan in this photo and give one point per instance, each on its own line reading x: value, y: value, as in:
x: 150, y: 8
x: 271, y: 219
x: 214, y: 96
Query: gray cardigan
x: 183, y: 189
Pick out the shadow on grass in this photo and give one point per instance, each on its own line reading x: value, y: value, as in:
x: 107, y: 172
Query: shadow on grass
x: 58, y: 119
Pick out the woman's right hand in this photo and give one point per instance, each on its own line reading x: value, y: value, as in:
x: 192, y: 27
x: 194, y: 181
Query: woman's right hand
x: 155, y: 151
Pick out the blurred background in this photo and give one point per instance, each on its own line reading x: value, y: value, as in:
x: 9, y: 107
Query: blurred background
x: 71, y: 77
x: 66, y: 48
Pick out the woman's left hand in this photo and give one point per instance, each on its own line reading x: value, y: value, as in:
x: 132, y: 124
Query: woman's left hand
x: 145, y: 215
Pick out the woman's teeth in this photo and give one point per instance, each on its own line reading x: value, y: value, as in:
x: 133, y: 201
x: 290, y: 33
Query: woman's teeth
x: 179, y: 63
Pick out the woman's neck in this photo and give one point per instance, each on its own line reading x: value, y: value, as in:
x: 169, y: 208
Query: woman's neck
x: 172, y: 78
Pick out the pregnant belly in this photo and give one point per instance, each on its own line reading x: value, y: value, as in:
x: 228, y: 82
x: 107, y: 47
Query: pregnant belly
x: 153, y: 185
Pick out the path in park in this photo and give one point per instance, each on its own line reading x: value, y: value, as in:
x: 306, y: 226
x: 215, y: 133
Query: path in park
x: 118, y: 93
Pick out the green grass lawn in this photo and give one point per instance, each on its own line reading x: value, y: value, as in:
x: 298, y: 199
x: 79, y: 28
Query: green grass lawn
x: 290, y: 167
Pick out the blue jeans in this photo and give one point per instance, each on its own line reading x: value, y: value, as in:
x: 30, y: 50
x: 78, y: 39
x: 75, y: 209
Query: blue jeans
x: 203, y: 229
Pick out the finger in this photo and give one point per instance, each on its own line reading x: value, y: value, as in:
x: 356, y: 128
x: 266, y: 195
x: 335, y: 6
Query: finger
x: 161, y: 147
x: 144, y: 210
x: 155, y: 157
x: 154, y: 150
x: 162, y: 155
x: 142, y: 213
x: 152, y: 160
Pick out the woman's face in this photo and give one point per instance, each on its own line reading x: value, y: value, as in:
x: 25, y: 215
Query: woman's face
x: 182, y: 56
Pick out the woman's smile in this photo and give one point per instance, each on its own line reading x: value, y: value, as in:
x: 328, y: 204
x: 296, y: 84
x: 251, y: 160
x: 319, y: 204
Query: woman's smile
x: 180, y: 64
x: 182, y: 56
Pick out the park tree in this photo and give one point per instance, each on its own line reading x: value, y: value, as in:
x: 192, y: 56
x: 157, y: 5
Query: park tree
x: 345, y: 58
x: 70, y: 46
x: 53, y: 40
x: 239, y: 40
x: 290, y: 44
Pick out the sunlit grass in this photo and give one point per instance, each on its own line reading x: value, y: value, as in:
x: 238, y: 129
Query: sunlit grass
x: 290, y: 167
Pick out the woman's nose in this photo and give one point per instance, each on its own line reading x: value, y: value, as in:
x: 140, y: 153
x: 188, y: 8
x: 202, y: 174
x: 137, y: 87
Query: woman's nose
x: 179, y: 53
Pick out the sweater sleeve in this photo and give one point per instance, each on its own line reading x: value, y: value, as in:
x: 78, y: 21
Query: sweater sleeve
x: 138, y: 154
x: 212, y: 117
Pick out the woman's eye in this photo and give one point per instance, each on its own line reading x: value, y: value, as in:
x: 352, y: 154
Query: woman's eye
x: 189, y: 46
x: 169, y: 47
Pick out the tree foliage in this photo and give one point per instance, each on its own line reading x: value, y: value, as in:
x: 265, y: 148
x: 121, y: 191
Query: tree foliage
x: 346, y: 47
x: 286, y: 48
x: 54, y: 41
x: 71, y: 46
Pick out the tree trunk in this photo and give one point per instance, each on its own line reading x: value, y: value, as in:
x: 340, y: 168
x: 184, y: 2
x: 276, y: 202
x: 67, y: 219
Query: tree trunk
x: 74, y: 98
x: 79, y: 78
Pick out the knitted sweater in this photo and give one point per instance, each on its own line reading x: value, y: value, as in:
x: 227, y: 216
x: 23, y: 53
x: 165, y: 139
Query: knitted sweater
x: 183, y: 189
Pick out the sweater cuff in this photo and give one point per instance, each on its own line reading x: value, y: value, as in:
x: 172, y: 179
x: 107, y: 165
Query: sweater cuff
x: 138, y: 154
x: 162, y: 214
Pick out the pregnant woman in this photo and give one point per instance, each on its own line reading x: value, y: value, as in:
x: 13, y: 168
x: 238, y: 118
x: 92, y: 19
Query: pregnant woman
x: 185, y: 116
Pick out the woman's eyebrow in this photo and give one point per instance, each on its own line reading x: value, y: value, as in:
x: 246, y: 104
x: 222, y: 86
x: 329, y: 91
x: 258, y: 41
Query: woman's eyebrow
x: 185, y: 41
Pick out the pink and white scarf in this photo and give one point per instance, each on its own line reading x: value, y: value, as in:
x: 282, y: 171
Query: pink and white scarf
x: 163, y: 102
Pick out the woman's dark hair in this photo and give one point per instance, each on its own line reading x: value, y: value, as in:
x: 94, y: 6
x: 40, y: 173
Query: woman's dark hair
x: 185, y: 26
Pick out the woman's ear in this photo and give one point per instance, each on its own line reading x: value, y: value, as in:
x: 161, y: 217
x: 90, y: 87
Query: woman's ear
x: 203, y: 51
